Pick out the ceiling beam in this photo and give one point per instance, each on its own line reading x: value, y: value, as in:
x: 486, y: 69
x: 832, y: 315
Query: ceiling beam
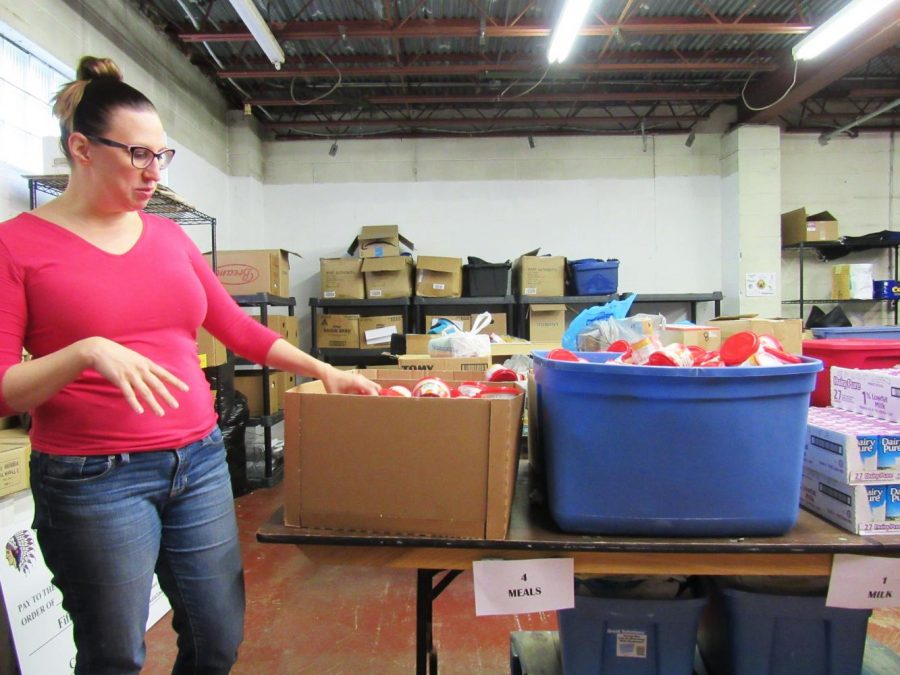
x: 578, y: 97
x: 813, y: 76
x: 488, y: 122
x: 465, y: 28
x: 483, y: 68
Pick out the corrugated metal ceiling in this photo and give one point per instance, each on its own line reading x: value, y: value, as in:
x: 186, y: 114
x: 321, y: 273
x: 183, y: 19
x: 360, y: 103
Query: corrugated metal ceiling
x: 412, y: 68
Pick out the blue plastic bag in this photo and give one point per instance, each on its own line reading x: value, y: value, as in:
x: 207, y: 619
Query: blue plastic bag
x: 615, y: 309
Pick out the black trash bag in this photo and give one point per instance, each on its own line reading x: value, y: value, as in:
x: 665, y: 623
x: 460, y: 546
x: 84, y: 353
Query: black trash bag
x: 836, y: 318
x: 861, y: 243
x: 233, y: 423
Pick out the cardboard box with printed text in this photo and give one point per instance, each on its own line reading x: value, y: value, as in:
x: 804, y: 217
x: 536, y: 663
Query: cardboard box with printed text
x: 341, y: 278
x: 542, y: 276
x: 254, y: 271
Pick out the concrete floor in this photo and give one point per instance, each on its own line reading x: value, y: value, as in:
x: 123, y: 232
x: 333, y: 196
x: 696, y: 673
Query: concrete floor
x: 340, y: 620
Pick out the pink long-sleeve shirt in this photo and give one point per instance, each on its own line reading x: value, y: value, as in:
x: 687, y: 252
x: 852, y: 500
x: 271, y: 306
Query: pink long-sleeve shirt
x: 56, y: 289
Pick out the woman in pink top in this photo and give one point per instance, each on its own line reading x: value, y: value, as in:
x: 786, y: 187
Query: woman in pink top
x: 128, y: 469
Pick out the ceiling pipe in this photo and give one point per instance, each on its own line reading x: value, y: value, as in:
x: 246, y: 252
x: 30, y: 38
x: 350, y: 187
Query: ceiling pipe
x: 824, y: 138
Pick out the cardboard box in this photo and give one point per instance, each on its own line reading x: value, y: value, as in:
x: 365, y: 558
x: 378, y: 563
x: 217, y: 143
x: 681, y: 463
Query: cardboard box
x: 461, y: 321
x: 211, y: 351
x: 852, y: 448
x: 543, y: 276
x: 851, y: 282
x: 14, y: 459
x: 250, y: 384
x: 375, y: 331
x: 546, y: 323
x: 797, y: 227
x: 469, y: 364
x: 863, y: 509
x: 417, y: 343
x: 789, y: 332
x: 707, y: 337
x: 337, y: 331
x: 438, y: 467
x: 341, y: 278
x: 285, y: 325
x: 388, y: 277
x: 497, y: 325
x: 257, y: 271
x: 379, y: 241
x: 438, y: 277
x: 869, y: 392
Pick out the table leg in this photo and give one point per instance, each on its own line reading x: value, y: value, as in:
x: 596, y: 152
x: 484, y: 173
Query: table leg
x: 426, y: 592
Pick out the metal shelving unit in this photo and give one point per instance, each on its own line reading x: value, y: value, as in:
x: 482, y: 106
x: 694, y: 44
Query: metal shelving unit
x: 348, y: 357
x: 164, y: 202
x: 503, y: 303
x: 692, y: 299
x: 821, y: 246
x: 272, y: 474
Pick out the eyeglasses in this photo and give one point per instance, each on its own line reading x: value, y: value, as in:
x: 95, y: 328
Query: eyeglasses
x: 141, y: 157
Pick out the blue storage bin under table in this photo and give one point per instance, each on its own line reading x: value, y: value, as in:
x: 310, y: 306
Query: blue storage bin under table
x: 871, y: 332
x: 784, y: 635
x: 594, y: 277
x: 629, y: 636
x: 657, y: 451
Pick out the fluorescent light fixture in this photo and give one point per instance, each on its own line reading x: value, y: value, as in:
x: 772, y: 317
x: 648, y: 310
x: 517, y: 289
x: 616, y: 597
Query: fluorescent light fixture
x: 259, y: 29
x: 570, y: 20
x: 845, y: 21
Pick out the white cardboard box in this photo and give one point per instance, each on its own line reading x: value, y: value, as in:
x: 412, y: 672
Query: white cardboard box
x: 870, y: 392
x: 851, y: 447
x: 863, y: 509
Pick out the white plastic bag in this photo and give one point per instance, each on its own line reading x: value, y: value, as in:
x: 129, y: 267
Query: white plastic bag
x: 470, y: 343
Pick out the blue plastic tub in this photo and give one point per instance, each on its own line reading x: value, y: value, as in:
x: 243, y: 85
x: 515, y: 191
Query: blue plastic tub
x: 659, y: 451
x: 791, y: 635
x: 595, y: 277
x: 626, y: 636
x: 872, y: 332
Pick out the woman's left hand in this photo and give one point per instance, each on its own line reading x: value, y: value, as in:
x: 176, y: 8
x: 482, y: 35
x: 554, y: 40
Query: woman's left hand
x: 344, y: 382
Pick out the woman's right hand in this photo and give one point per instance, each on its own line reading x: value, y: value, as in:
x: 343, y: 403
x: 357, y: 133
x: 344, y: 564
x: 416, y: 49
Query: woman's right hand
x: 138, y: 377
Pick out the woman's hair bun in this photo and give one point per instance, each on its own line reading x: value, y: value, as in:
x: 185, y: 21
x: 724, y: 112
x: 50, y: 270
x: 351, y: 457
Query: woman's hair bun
x: 92, y: 68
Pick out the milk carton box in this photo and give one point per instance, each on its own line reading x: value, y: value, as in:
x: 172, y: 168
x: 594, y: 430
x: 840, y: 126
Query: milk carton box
x: 852, y: 447
x: 863, y: 509
x: 870, y: 392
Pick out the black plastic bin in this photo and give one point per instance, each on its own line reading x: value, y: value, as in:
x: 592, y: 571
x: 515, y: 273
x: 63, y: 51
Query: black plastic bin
x: 484, y: 279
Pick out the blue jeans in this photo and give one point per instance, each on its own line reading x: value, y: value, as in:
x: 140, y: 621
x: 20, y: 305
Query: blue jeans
x: 106, y: 523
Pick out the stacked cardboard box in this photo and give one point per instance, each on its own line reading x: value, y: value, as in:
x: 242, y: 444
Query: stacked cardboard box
x: 387, y: 273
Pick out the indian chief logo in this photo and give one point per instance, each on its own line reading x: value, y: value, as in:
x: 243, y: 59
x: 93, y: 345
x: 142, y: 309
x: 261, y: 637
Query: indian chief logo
x: 237, y: 273
x: 21, y: 551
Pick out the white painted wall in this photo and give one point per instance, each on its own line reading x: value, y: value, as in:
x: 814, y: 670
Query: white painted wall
x: 657, y: 211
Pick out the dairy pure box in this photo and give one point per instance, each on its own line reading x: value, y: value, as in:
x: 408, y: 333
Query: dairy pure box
x: 852, y: 447
x: 870, y: 392
x: 863, y: 509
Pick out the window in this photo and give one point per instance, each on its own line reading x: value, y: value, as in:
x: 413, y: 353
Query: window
x: 26, y: 86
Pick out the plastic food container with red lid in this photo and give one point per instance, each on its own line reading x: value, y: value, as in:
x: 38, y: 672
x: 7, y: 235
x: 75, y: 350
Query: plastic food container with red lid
x: 649, y: 451
x: 860, y: 353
